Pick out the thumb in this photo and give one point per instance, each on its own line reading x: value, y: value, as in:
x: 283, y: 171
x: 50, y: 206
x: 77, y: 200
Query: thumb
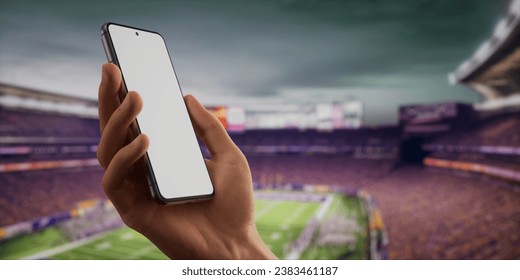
x: 209, y: 129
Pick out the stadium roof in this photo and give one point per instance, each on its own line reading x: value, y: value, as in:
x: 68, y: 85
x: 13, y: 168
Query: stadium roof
x: 494, y: 69
x: 29, y: 99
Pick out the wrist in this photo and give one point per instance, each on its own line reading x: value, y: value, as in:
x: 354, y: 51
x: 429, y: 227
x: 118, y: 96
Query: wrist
x: 252, y: 247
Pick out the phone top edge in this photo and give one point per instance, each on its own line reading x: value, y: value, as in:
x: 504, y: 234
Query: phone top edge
x: 105, y: 28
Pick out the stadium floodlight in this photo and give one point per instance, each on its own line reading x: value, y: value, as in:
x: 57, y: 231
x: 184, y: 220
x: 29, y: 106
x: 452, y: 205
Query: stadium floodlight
x: 501, y: 30
x: 514, y: 7
x: 465, y: 66
x: 483, y: 51
x: 452, y: 79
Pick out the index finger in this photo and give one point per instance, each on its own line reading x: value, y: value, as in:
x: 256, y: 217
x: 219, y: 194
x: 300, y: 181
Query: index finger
x: 108, y: 95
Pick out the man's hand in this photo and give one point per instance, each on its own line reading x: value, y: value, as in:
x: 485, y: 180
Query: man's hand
x: 220, y: 228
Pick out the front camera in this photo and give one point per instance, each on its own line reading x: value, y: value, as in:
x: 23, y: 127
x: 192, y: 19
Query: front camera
x: 137, y: 33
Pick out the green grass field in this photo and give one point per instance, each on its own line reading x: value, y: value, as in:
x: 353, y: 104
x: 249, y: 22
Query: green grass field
x: 353, y: 209
x: 279, y: 223
x: 120, y: 244
x: 26, y: 245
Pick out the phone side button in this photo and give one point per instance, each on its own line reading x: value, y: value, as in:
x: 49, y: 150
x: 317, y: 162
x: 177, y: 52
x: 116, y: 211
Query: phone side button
x: 151, y: 191
x: 107, y: 48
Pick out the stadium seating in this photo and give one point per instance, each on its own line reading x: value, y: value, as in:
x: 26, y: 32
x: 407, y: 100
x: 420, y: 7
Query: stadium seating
x: 340, y: 170
x: 501, y: 130
x: 492, y: 144
x: 31, y: 124
x: 30, y: 195
x: 428, y: 213
x: 434, y: 215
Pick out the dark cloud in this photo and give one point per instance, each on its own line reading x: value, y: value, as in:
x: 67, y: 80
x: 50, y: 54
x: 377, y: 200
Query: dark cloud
x: 385, y: 53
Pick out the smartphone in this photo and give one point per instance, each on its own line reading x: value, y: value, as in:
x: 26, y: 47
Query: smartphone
x: 176, y: 169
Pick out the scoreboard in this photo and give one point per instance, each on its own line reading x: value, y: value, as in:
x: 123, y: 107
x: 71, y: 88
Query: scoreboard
x: 434, y: 118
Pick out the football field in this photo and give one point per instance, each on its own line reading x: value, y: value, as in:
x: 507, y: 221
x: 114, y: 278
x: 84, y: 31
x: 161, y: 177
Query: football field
x: 120, y: 244
x: 280, y: 222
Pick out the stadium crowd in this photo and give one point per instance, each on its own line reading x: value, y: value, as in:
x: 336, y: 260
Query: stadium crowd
x: 501, y: 130
x: 434, y: 215
x: 286, y: 137
x: 362, y: 143
x: 33, y: 194
x: 428, y: 214
x: 342, y: 170
x: 41, y: 124
x: 494, y: 142
x: 27, y: 195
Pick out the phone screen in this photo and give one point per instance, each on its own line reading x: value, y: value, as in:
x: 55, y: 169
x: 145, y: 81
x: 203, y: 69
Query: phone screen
x: 178, y: 171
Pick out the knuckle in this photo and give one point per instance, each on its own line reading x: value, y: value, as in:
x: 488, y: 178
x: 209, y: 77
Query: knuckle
x: 131, y: 221
x: 120, y: 110
x: 210, y: 130
x: 101, y: 158
x: 105, y: 184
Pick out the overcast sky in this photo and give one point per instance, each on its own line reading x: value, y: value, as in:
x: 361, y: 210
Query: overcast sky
x: 382, y: 52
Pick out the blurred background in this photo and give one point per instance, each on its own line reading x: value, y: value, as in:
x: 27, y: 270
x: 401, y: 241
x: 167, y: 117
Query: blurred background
x: 374, y: 129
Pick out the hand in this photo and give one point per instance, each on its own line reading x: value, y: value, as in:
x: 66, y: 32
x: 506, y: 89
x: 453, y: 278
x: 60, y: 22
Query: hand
x: 220, y: 228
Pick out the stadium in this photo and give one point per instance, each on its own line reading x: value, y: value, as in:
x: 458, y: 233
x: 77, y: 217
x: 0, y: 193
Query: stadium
x: 442, y: 184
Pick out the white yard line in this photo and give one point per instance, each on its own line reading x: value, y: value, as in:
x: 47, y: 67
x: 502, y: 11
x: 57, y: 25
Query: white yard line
x: 266, y: 209
x: 324, y: 208
x: 88, y: 253
x: 65, y: 247
x: 140, y: 253
x: 295, y: 214
x: 311, y: 227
